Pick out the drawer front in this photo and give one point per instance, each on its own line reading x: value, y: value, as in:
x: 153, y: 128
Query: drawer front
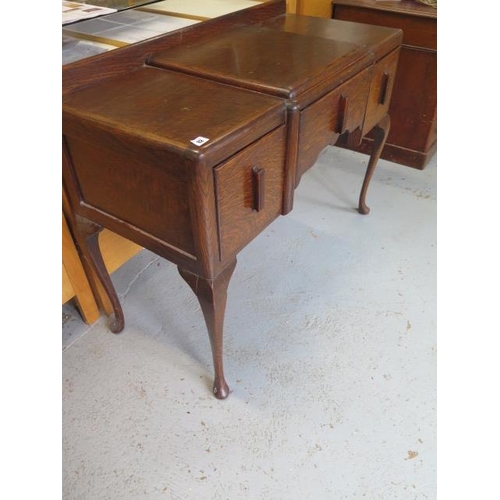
x: 341, y: 110
x: 381, y: 90
x: 249, y: 192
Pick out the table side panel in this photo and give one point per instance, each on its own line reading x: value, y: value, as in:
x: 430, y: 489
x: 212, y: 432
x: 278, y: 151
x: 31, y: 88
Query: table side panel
x: 152, y: 198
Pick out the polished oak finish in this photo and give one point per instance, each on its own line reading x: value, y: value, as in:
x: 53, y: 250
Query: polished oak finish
x: 321, y: 55
x: 412, y: 140
x: 212, y: 295
x: 196, y: 150
x: 131, y: 166
x: 380, y: 132
x: 129, y: 140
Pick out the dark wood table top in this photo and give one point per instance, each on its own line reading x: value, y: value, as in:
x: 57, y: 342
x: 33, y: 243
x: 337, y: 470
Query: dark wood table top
x: 169, y: 110
x: 378, y: 40
x: 269, y: 60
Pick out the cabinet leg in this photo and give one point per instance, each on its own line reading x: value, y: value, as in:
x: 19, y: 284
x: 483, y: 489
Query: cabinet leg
x: 88, y: 239
x: 380, y: 132
x: 212, y: 295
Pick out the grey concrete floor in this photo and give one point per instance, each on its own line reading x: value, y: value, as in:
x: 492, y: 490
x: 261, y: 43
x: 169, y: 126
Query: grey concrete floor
x: 330, y: 352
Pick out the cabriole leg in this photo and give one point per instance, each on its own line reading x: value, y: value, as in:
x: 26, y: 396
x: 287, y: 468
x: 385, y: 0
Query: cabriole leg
x: 87, y: 237
x: 212, y: 295
x: 380, y: 132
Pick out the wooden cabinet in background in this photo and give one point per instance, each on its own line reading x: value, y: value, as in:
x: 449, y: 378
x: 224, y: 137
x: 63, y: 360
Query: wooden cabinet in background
x: 412, y: 140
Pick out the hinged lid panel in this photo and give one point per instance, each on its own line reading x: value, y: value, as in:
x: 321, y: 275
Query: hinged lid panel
x: 173, y: 112
x: 376, y: 40
x: 265, y: 59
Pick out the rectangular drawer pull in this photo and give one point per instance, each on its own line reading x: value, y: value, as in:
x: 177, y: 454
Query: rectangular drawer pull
x: 258, y: 177
x: 383, y: 88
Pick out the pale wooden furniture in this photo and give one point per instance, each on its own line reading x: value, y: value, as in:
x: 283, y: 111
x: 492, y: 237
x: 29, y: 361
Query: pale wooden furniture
x: 317, y: 8
x: 74, y: 280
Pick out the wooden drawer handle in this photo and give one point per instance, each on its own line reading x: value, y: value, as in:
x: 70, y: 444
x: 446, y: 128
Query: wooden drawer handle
x: 258, y: 178
x: 342, y: 115
x: 384, y: 88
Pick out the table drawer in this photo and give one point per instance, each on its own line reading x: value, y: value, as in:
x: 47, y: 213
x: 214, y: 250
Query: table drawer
x: 249, y: 191
x: 381, y: 90
x: 341, y: 110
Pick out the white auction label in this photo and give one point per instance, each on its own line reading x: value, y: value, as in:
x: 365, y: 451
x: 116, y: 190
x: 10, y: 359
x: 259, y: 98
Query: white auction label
x: 199, y: 141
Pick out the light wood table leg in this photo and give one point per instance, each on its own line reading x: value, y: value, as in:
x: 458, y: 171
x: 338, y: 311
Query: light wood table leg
x: 75, y: 282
